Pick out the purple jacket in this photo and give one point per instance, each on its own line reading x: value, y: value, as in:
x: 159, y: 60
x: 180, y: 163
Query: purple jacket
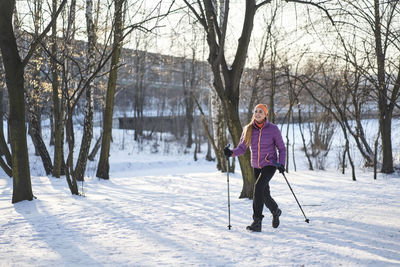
x: 263, y: 146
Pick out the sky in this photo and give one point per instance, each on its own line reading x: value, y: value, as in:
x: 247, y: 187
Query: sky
x: 175, y: 36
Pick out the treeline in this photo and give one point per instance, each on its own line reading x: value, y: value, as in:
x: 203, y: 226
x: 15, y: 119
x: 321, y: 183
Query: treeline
x: 54, y: 63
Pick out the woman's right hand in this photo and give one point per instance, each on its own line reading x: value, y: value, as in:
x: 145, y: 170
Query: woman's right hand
x: 228, y: 153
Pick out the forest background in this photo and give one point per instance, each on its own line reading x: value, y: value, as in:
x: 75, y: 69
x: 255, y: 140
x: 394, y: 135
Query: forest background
x: 195, y: 69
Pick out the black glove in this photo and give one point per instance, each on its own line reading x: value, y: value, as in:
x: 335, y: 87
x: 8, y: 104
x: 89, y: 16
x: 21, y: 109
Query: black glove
x: 228, y: 153
x: 280, y: 168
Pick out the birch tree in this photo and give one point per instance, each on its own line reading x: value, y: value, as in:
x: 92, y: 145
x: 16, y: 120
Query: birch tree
x: 87, y: 136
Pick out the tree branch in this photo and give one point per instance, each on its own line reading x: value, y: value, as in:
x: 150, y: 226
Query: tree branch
x: 263, y: 3
x: 201, y: 18
x: 38, y: 40
x: 313, y: 4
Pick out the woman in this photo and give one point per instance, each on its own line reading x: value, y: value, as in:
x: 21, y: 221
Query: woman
x: 263, y: 138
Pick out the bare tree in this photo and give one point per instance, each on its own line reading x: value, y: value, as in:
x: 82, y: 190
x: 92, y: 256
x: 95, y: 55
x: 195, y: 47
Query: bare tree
x: 376, y: 37
x: 78, y: 79
x: 119, y: 34
x: 139, y: 70
x: 80, y: 167
x: 67, y: 83
x: 104, y: 165
x: 58, y: 106
x: 325, y: 87
x: 227, y: 76
x: 36, y: 91
x: 294, y: 90
x: 321, y: 133
x: 14, y: 68
x: 190, y: 80
x: 305, y: 148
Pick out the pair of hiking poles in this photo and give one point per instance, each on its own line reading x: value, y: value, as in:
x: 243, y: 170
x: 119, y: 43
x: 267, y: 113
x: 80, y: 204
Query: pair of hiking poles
x: 229, y: 201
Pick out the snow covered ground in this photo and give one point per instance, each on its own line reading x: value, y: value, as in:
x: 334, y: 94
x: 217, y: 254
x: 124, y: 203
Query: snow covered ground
x: 165, y: 209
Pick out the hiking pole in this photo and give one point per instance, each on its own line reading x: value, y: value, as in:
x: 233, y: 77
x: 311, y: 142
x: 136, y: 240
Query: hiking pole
x: 229, y: 201
x: 283, y: 173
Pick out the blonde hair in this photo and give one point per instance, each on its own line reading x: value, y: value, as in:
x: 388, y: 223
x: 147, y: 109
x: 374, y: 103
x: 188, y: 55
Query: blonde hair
x: 248, y: 130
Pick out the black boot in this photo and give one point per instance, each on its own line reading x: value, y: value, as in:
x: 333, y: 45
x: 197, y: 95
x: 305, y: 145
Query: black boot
x: 275, y: 218
x: 256, y: 225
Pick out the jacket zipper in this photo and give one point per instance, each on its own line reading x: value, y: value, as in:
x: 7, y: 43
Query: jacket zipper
x: 259, y: 142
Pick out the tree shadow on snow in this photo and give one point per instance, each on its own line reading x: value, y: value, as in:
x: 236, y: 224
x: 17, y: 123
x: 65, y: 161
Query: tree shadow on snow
x: 60, y: 238
x: 357, y: 242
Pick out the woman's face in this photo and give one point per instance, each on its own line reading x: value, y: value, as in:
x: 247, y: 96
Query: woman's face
x: 259, y: 115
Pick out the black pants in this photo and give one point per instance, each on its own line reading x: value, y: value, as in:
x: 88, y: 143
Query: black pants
x: 261, y: 194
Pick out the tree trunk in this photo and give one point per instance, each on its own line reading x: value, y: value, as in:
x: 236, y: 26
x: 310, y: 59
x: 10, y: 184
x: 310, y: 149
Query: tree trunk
x: 14, y: 69
x: 69, y: 171
x: 57, y: 102
x: 66, y: 105
x: 81, y: 163
x: 271, y: 104
x: 104, y: 165
x: 208, y: 155
x: 288, y: 144
x: 310, y: 165
x: 139, y: 70
x: 211, y: 141
x: 195, y: 146
x: 95, y: 148
x: 88, y: 121
x: 3, y: 145
x: 235, y: 129
x: 294, y: 142
x: 188, y: 99
x: 52, y: 141
x: 376, y: 155
x: 219, y: 127
x: 189, y: 119
x: 38, y: 141
x: 189, y: 122
x: 386, y: 139
x: 385, y: 110
x: 353, y: 171
x: 4, y: 151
